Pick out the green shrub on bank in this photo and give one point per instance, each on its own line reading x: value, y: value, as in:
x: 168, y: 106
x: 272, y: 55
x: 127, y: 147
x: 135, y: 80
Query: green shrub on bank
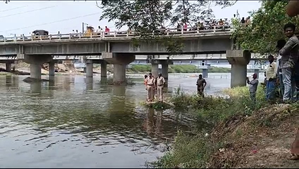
x: 194, y: 151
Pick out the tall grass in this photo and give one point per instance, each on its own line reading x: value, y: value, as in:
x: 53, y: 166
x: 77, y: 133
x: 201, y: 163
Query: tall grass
x: 194, y: 151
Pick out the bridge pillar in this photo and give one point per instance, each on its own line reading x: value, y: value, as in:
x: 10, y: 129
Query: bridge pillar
x: 51, y: 68
x: 36, y: 62
x: 155, y: 69
x: 89, y: 68
x: 205, y: 73
x: 238, y: 60
x: 8, y: 67
x: 257, y: 71
x: 120, y: 62
x: 104, y: 70
x: 165, y: 71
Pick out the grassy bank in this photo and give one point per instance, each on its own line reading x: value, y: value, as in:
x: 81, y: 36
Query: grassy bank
x: 233, y: 132
x: 177, y: 69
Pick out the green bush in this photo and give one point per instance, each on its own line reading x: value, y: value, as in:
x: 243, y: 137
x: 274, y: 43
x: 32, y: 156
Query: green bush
x: 194, y: 151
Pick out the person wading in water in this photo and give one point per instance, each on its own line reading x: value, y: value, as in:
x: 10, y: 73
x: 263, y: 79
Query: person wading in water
x: 150, y: 83
x: 201, y: 84
x: 160, y: 85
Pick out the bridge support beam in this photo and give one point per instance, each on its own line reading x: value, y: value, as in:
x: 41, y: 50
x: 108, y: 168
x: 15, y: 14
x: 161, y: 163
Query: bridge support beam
x: 36, y: 62
x: 104, y: 70
x: 120, y: 62
x: 8, y: 67
x: 257, y: 71
x: 89, y: 68
x: 155, y: 69
x: 205, y: 73
x: 238, y: 60
x: 51, y: 68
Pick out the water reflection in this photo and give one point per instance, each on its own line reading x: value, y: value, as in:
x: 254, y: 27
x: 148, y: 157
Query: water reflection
x: 64, y: 126
x: 89, y: 83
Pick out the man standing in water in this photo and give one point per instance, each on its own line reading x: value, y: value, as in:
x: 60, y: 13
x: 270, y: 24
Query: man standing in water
x: 160, y: 85
x: 253, y: 86
x: 145, y: 81
x: 150, y: 83
x: 201, y: 84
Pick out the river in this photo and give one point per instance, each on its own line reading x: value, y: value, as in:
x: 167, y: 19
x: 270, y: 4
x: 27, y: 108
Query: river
x: 72, y: 123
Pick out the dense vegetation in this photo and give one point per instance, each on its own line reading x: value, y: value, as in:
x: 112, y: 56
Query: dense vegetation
x: 266, y: 28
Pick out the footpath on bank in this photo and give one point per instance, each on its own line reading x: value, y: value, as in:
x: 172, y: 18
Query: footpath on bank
x: 233, y: 132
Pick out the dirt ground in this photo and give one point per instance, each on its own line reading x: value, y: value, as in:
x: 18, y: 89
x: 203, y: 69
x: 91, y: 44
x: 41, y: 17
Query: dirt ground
x: 261, y: 140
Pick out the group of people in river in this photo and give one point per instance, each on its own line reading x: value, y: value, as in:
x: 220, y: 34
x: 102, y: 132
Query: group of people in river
x: 282, y: 77
x: 154, y: 87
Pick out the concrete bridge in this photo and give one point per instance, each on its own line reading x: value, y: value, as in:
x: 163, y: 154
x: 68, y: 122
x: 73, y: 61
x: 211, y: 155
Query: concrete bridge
x: 119, y: 50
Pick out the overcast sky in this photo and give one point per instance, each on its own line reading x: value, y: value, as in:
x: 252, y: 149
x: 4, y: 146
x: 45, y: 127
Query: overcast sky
x: 19, y: 17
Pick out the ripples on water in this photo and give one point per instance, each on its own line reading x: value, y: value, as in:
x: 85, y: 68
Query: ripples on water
x: 75, y: 124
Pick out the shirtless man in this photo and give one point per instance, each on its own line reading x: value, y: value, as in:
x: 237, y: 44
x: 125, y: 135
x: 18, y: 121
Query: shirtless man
x: 160, y: 85
x: 150, y: 84
x: 201, y: 84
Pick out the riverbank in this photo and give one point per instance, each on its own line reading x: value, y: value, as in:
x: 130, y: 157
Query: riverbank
x: 177, y: 69
x: 233, y: 132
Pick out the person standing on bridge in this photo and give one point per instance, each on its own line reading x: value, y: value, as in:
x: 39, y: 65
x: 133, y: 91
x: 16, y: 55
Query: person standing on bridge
x: 271, y: 78
x: 253, y: 86
x: 289, y: 56
x: 150, y: 83
x: 201, y: 84
x: 160, y: 85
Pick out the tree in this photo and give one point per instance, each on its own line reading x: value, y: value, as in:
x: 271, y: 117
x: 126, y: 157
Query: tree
x: 266, y: 28
x: 146, y: 17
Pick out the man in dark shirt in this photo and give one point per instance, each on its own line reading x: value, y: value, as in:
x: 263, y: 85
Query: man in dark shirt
x: 201, y: 84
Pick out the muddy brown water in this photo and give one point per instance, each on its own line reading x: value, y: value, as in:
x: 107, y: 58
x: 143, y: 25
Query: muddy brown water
x: 78, y: 122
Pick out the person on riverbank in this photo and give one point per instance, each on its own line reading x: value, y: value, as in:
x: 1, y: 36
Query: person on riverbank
x: 160, y: 86
x: 253, y: 86
x: 289, y: 56
x: 150, y: 84
x: 280, y: 44
x: 145, y: 81
x: 201, y: 84
x: 271, y: 78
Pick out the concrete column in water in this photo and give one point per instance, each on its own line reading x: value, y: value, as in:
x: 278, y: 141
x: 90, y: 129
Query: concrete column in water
x: 205, y: 73
x: 165, y: 71
x: 238, y: 60
x: 120, y: 62
x: 89, y: 68
x: 257, y: 71
x: 35, y: 70
x: 8, y: 67
x: 119, y: 73
x: 155, y: 69
x: 35, y: 62
x: 51, y: 69
x: 104, y: 69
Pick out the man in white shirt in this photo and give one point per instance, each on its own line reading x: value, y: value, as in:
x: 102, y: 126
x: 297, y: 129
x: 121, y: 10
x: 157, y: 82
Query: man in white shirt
x: 271, y: 78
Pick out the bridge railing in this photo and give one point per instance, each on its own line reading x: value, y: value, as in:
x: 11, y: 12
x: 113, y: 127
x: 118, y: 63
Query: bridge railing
x: 102, y: 34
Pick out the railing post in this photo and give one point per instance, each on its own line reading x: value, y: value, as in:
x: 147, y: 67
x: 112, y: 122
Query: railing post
x: 70, y: 36
x: 128, y: 33
x: 80, y: 35
x: 59, y: 36
x: 50, y: 37
x: 182, y: 29
x: 91, y: 35
x: 15, y: 37
x: 197, y: 30
x: 167, y: 32
x: 40, y: 37
x: 103, y: 34
x: 115, y: 33
x: 23, y: 37
x: 214, y: 29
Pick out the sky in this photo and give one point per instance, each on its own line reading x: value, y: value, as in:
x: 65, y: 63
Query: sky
x: 23, y: 17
